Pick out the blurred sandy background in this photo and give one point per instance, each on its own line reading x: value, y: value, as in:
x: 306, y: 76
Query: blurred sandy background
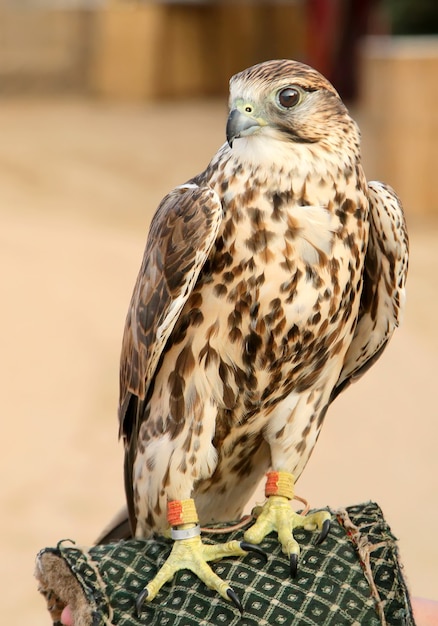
x: 80, y: 176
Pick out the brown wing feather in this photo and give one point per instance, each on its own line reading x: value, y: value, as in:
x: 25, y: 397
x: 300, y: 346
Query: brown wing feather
x: 182, y: 233
x: 383, y: 292
x: 181, y: 236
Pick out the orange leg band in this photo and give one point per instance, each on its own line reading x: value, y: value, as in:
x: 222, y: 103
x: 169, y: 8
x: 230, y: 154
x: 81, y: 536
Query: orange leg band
x: 280, y: 484
x: 181, y: 512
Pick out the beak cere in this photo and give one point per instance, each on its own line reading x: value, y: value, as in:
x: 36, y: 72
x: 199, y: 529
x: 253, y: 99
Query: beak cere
x: 239, y: 125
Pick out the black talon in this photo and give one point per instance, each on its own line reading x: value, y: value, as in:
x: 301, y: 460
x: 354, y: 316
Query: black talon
x: 140, y: 601
x: 324, y: 532
x: 250, y: 547
x: 235, y: 599
x: 293, y: 564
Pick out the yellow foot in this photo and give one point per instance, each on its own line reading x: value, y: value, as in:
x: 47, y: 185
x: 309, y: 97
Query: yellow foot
x: 277, y: 514
x: 193, y: 555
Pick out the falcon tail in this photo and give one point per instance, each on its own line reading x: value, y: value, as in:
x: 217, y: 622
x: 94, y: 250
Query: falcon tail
x: 117, y: 529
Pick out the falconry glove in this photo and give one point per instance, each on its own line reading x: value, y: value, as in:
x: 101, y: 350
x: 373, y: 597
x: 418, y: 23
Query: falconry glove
x: 354, y: 577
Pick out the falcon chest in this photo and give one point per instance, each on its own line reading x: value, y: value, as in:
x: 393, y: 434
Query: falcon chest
x: 282, y: 286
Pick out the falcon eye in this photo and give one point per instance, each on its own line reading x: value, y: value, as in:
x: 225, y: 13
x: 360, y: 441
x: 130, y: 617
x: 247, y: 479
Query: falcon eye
x: 289, y: 97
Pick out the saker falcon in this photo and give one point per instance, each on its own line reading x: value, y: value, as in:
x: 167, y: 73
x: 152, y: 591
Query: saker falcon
x: 269, y: 282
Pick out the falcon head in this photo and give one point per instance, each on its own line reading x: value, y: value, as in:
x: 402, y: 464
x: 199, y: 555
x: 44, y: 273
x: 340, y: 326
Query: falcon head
x: 289, y: 102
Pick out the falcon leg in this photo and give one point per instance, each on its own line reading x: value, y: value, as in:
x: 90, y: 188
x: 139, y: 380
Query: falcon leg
x: 190, y: 553
x: 277, y: 514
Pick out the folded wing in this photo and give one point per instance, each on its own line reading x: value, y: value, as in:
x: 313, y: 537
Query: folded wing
x: 383, y: 293
x: 181, y: 236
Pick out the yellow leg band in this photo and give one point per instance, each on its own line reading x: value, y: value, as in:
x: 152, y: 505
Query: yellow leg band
x: 280, y: 484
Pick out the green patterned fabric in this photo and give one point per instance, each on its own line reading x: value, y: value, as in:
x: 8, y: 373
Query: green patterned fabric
x: 353, y: 577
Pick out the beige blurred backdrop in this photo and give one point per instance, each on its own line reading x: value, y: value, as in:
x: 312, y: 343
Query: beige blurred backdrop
x: 96, y: 125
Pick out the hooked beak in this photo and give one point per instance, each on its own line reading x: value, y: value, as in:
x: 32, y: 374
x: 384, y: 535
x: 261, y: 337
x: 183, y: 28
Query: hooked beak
x: 240, y: 125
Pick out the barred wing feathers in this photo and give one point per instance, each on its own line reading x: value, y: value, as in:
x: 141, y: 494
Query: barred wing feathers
x: 181, y: 235
x: 383, y: 292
